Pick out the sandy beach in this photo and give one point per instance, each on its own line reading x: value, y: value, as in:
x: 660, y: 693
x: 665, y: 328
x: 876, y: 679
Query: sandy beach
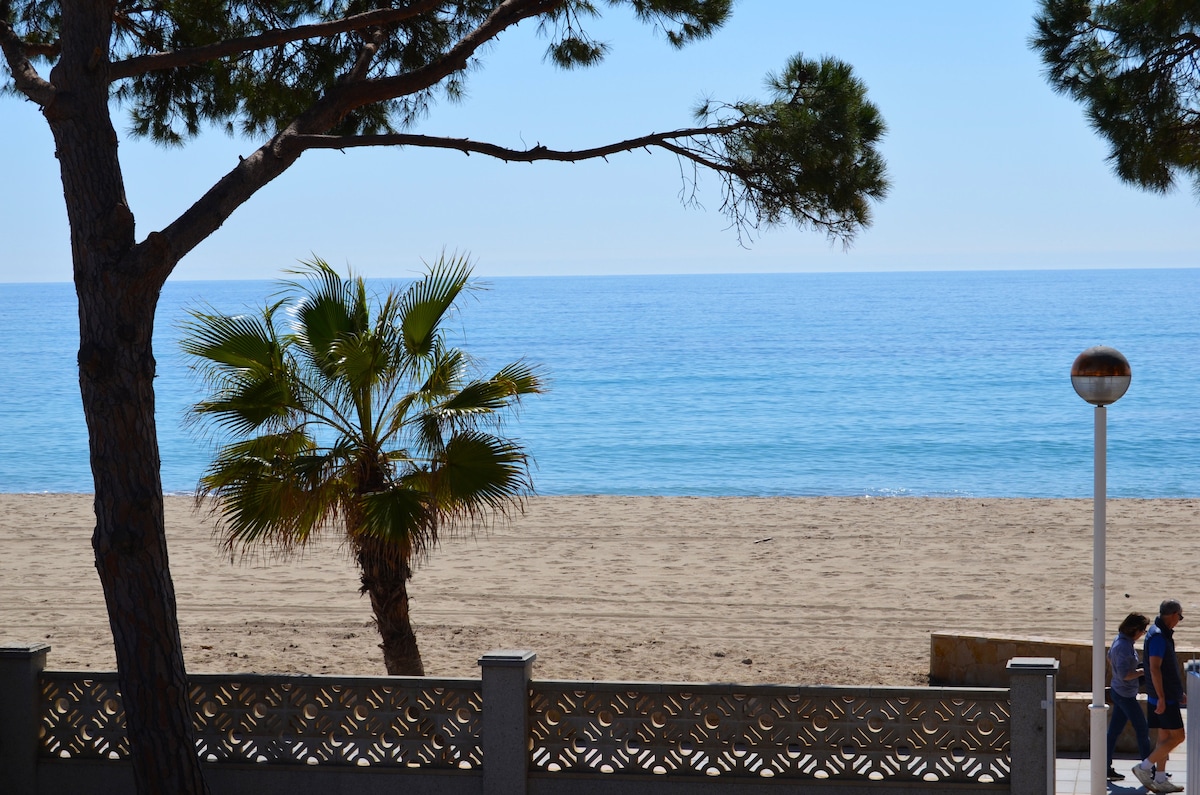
x: 787, y: 590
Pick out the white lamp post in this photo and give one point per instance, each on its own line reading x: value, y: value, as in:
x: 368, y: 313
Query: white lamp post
x: 1100, y: 376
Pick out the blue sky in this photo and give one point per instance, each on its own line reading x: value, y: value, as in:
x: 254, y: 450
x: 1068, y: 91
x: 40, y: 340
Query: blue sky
x: 990, y: 168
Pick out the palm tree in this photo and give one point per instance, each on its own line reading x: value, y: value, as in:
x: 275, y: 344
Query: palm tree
x: 342, y: 412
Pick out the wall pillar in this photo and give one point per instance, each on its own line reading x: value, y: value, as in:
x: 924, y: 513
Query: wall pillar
x: 19, y: 669
x: 1031, y: 698
x: 505, y: 739
x: 1192, y: 747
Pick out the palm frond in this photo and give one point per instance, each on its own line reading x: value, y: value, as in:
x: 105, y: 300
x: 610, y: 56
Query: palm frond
x: 402, y: 516
x: 522, y: 378
x: 428, y: 435
x: 480, y: 473
x: 327, y: 307
x: 446, y: 369
x: 388, y: 326
x: 278, y: 489
x: 248, y: 402
x: 243, y: 361
x: 361, y: 361
x: 493, y: 394
x: 221, y: 342
x: 425, y: 303
x: 395, y: 417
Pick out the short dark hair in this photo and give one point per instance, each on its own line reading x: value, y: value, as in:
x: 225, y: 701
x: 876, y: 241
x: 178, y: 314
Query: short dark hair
x: 1170, y: 607
x: 1133, y: 624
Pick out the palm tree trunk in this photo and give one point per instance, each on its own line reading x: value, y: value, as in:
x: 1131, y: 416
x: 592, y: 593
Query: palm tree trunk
x: 385, y: 574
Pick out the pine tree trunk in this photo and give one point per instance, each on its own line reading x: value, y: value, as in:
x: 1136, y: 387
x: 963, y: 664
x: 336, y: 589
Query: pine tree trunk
x: 385, y: 576
x: 118, y: 285
x: 116, y: 377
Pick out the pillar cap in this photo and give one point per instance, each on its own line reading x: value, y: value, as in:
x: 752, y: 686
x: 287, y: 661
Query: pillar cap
x: 508, y: 657
x: 1032, y: 663
x: 10, y: 651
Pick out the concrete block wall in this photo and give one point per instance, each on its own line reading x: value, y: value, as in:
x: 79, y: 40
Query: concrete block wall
x: 1073, y: 724
x: 979, y: 660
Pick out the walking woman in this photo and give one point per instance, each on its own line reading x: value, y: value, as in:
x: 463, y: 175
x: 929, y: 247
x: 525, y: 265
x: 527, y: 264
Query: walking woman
x: 1126, y: 673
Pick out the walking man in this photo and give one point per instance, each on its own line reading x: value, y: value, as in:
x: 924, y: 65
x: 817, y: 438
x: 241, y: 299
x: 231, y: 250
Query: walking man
x: 1166, y: 697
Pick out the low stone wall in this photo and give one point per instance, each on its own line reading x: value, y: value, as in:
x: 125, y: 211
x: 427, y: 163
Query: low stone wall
x: 1073, y: 728
x: 980, y: 661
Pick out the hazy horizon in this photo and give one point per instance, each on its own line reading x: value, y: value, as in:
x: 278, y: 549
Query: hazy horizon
x: 990, y: 169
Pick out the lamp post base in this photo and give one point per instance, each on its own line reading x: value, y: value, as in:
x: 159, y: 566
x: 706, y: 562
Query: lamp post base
x: 1099, y: 759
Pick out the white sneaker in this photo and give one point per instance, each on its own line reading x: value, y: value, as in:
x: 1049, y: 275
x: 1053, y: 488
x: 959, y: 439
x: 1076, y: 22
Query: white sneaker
x: 1166, y: 786
x: 1145, y: 776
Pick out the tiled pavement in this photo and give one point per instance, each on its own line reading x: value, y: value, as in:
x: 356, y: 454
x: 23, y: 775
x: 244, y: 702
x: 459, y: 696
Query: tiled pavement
x: 1073, y: 774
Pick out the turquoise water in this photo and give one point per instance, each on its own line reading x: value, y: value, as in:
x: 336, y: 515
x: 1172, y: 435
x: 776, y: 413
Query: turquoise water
x: 936, y: 384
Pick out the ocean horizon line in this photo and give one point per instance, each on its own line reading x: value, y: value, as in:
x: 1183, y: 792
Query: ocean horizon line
x: 669, y: 274
x: 650, y: 496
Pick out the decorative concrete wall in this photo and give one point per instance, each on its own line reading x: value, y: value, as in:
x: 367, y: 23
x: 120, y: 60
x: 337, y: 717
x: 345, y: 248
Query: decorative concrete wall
x: 508, y: 735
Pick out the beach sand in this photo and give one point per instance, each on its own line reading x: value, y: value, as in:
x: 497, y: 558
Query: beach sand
x: 752, y: 590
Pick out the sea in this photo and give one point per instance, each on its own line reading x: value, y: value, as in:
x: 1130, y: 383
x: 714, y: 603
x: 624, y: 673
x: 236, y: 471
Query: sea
x: 844, y: 384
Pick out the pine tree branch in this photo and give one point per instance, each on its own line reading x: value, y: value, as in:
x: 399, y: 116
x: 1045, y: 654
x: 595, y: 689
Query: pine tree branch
x: 274, y: 157
x: 1182, y: 49
x: 25, y: 76
x: 696, y: 157
x: 356, y: 94
x: 468, y: 146
x: 141, y: 64
x: 43, y: 50
x: 366, y: 54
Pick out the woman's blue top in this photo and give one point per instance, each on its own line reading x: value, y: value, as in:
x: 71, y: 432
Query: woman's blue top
x: 1123, y: 658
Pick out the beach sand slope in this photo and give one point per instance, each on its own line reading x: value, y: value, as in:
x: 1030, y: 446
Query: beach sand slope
x: 753, y: 590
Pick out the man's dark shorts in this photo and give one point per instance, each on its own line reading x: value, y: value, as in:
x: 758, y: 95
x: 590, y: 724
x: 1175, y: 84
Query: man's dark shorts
x: 1171, y: 718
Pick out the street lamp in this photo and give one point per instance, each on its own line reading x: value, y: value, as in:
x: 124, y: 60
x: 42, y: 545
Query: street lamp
x: 1100, y: 376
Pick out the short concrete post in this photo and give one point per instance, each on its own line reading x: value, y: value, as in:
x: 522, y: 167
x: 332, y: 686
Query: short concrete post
x: 1192, y: 690
x: 1031, y: 697
x: 506, y: 721
x: 19, y: 669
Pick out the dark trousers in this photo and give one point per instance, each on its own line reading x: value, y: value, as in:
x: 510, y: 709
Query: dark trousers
x: 1126, y: 709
